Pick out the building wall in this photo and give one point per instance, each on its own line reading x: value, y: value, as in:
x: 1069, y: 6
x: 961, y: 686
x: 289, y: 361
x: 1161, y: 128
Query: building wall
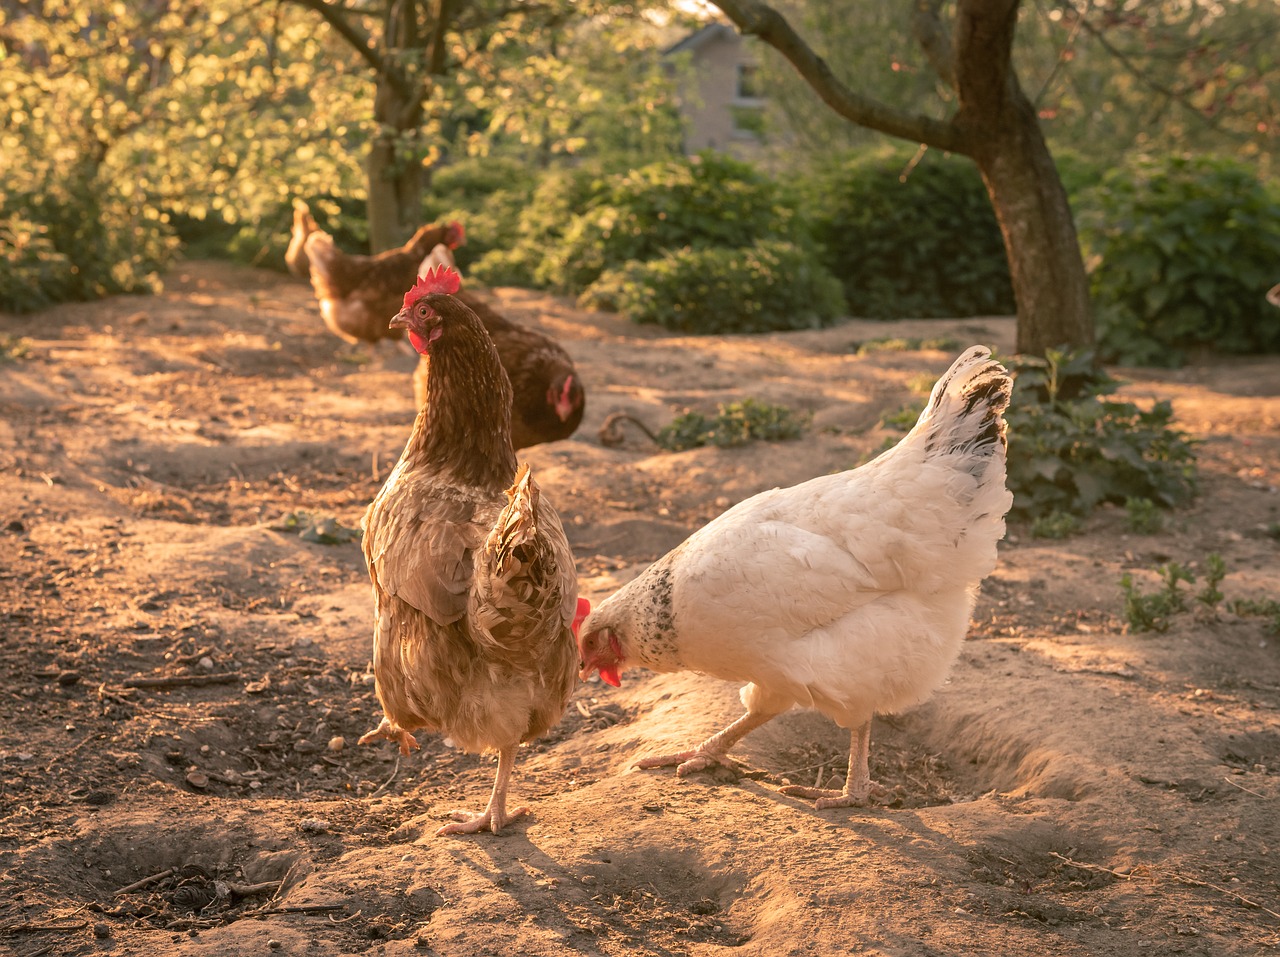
x: 715, y: 115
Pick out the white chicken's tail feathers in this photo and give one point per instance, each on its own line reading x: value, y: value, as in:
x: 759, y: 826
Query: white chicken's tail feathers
x: 965, y: 411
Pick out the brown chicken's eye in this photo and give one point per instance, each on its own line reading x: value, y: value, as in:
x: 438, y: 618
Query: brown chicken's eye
x: 423, y: 311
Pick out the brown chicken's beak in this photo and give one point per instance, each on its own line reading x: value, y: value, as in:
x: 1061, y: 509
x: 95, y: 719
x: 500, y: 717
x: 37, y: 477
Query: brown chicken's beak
x: 401, y: 320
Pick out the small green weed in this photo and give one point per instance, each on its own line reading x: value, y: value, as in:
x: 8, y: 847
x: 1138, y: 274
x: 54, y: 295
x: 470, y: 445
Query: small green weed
x: 1150, y: 612
x: 1055, y: 525
x: 13, y: 348
x: 904, y: 418
x: 1215, y: 571
x: 1266, y: 608
x: 735, y: 424
x: 904, y: 344
x: 317, y: 529
x: 1143, y: 515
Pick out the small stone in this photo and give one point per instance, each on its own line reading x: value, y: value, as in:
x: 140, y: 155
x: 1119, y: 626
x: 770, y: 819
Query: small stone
x: 206, y: 663
x: 101, y: 930
x: 337, y: 743
x: 198, y: 779
x: 274, y: 944
x: 68, y: 678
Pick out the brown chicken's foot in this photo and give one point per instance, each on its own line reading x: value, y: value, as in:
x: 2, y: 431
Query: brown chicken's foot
x: 408, y: 743
x: 472, y: 823
x: 496, y: 816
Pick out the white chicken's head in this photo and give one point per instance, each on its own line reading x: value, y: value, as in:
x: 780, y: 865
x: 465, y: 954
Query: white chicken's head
x: 599, y: 650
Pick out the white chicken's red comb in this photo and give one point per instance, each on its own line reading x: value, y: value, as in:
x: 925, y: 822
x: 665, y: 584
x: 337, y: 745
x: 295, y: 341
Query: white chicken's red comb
x: 440, y: 278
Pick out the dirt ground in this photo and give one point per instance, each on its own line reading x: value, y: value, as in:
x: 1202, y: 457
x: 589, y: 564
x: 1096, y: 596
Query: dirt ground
x: 183, y: 674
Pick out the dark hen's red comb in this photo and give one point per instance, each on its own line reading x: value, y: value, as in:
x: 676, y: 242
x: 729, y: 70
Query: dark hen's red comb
x: 457, y: 235
x: 440, y: 278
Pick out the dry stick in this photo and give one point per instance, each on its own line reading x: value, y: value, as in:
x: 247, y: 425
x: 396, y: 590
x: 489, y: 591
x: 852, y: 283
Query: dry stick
x: 182, y: 681
x: 36, y: 928
x: 244, y: 890
x: 1222, y: 890
x: 1094, y: 867
x: 1243, y: 788
x: 296, y: 909
x: 168, y: 872
x: 387, y: 783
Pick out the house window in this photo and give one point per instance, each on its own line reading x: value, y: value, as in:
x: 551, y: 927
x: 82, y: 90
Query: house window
x: 749, y: 82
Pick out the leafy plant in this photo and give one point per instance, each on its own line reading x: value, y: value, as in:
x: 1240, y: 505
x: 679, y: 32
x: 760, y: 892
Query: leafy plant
x: 1143, y: 515
x: 1267, y: 608
x: 734, y: 424
x: 908, y: 240
x: 1216, y: 570
x: 1071, y: 448
x: 1151, y: 611
x: 1180, y: 251
x: 766, y: 286
x: 904, y: 344
x: 317, y: 529
x: 904, y: 418
x: 1055, y: 525
x: 13, y: 348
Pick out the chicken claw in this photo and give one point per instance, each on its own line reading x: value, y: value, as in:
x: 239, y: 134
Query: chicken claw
x: 688, y: 762
x: 829, y: 799
x: 472, y: 823
x: 408, y: 743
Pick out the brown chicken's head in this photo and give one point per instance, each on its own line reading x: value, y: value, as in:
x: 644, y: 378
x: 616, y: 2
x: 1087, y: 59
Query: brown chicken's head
x: 565, y: 396
x: 418, y: 315
x: 599, y: 650
x: 455, y: 235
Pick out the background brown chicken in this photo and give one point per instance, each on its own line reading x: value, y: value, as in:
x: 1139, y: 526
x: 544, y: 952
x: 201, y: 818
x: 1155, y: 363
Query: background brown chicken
x: 358, y: 294
x: 295, y: 257
x: 548, y: 398
x: 474, y: 586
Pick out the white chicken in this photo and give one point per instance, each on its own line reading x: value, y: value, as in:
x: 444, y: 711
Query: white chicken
x: 849, y: 594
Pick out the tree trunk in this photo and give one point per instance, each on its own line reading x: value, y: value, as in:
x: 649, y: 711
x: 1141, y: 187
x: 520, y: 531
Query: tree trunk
x: 996, y: 126
x: 1002, y: 135
x: 1049, y: 282
x: 395, y: 184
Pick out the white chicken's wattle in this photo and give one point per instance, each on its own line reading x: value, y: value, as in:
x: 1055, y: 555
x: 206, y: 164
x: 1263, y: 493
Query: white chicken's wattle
x: 849, y: 594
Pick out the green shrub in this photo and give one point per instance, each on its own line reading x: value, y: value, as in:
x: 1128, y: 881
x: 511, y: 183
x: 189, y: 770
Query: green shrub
x: 1070, y: 448
x: 919, y: 243
x: 768, y: 286
x: 487, y: 195
x: 1150, y: 611
x: 74, y: 237
x: 1143, y: 515
x: 33, y: 272
x: 1181, y: 252
x: 735, y: 424
x: 710, y: 201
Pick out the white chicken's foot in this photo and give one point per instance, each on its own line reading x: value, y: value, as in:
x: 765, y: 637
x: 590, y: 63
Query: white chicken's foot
x: 496, y: 816
x: 712, y: 751
x: 858, y: 789
x: 408, y: 743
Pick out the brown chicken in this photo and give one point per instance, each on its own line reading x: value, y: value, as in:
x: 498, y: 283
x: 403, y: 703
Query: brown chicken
x: 358, y: 293
x: 548, y: 398
x: 295, y: 257
x: 474, y: 588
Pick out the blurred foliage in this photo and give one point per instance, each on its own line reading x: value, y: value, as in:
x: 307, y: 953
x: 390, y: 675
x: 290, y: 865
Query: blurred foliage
x: 908, y: 238
x: 1182, y: 251
x: 769, y: 285
x: 737, y: 423
x: 1071, y: 448
x: 1161, y: 75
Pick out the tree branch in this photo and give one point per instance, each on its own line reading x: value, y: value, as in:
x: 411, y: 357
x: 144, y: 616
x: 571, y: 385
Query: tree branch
x: 753, y: 18
x: 934, y: 39
x: 358, y: 39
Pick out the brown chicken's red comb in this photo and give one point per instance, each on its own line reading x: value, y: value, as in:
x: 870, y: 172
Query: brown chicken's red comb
x: 440, y: 278
x: 457, y: 235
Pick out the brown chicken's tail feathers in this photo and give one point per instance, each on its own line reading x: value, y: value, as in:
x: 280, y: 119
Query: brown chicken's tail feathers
x: 518, y: 521
x: 965, y: 413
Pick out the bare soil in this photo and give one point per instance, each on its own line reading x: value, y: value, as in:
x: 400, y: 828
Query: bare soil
x: 1075, y: 789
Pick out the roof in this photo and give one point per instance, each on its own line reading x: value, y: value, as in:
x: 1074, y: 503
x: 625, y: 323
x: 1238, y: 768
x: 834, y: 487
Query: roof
x: 701, y: 37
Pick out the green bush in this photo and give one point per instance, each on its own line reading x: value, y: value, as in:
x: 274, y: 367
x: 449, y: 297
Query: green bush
x: 710, y: 201
x: 1070, y: 448
x: 487, y: 195
x: 33, y: 273
x: 920, y: 243
x: 768, y: 286
x: 1181, y: 251
x: 77, y: 237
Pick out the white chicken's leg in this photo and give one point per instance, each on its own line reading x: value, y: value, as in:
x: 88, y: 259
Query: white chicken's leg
x: 858, y: 786
x: 495, y: 816
x: 714, y: 750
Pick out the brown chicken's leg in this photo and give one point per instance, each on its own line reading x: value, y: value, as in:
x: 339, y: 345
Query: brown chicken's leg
x: 496, y: 816
x: 858, y: 786
x: 408, y: 743
x: 714, y: 750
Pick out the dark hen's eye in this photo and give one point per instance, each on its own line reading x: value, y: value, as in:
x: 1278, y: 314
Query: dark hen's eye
x: 423, y: 311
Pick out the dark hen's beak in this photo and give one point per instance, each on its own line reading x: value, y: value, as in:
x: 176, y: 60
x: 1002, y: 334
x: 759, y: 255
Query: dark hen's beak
x: 403, y: 320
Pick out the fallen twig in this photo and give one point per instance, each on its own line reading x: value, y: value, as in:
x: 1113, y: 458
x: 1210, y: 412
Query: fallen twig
x: 184, y: 681
x: 296, y: 909
x: 387, y: 783
x: 1222, y: 890
x: 611, y: 435
x: 1243, y: 788
x: 1097, y: 867
x: 36, y: 928
x: 167, y: 872
x: 244, y: 890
